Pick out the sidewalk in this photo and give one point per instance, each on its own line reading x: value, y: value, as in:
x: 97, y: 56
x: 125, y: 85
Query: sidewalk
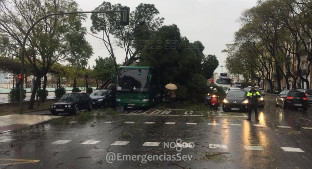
x: 18, y: 121
x: 11, y: 120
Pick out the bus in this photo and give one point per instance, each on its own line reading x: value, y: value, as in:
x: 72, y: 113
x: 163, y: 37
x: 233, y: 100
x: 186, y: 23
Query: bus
x: 224, y: 81
x: 135, y: 87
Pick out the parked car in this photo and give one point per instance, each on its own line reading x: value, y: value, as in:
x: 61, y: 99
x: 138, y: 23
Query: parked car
x: 102, y: 98
x: 292, y: 99
x: 308, y: 93
x: 71, y: 103
x: 235, y: 100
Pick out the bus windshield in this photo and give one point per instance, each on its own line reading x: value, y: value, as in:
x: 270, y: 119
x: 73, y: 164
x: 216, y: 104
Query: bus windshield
x: 132, y: 79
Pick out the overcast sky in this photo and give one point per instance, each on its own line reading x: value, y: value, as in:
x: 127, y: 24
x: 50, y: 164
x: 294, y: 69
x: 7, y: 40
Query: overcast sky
x: 213, y: 22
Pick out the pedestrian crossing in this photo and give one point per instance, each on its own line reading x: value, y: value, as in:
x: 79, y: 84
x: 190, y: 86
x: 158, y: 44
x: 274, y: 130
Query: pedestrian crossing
x: 162, y: 145
x: 179, y: 112
x: 214, y: 124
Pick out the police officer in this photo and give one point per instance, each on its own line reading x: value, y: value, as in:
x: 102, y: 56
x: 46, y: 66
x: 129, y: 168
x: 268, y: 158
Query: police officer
x: 253, y: 96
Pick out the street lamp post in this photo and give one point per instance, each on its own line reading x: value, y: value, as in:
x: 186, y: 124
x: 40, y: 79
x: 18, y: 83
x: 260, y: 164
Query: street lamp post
x: 124, y: 21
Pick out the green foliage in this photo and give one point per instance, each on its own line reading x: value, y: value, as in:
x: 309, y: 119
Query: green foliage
x: 42, y: 94
x: 198, y: 87
x: 89, y: 90
x: 210, y: 63
x: 59, y: 92
x: 178, y: 61
x: 104, y: 68
x: 14, y: 95
x: 76, y: 90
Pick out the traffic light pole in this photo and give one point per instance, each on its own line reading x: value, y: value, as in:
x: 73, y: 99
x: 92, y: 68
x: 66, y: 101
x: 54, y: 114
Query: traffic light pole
x: 124, y: 21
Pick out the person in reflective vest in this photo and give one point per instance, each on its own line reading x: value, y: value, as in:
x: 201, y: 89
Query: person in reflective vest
x: 253, y: 96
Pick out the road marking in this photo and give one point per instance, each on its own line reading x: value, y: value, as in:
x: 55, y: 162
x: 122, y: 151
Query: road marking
x: 154, y: 112
x: 221, y: 146
x: 90, y: 142
x: 17, y: 161
x: 307, y: 128
x: 120, y: 143
x: 149, y: 122
x: 191, y: 123
x: 254, y: 148
x: 129, y: 122
x: 235, y: 125
x: 73, y: 122
x: 213, y: 124
x: 292, y: 149
x: 284, y: 127
x: 170, y: 123
x: 151, y: 144
x: 61, y: 142
x: 108, y: 122
x: 6, y: 140
x: 259, y: 125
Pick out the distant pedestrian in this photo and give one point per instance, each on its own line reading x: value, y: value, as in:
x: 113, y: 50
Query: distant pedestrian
x: 253, y: 96
x: 173, y: 96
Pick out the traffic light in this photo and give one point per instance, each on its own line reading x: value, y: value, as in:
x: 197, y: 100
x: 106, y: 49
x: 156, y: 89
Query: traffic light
x: 124, y: 20
x: 20, y: 77
x: 19, y: 80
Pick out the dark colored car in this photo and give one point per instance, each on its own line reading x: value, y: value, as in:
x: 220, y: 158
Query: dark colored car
x: 71, y: 103
x: 236, y: 100
x: 308, y: 93
x: 102, y: 98
x: 292, y: 99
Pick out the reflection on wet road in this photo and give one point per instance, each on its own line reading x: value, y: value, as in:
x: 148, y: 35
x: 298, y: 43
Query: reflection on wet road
x: 281, y: 139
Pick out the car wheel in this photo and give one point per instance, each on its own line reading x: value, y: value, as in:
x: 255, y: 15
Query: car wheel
x: 76, y: 111
x: 90, y: 107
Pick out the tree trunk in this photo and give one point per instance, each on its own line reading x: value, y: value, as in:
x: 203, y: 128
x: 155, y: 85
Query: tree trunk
x: 33, y: 94
x: 75, y: 84
x: 45, y: 79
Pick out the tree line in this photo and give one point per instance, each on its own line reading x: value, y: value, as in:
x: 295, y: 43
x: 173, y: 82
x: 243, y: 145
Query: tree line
x: 273, y: 43
x: 58, y: 45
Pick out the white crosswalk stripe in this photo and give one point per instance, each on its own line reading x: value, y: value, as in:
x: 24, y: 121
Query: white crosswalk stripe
x: 90, y: 142
x: 61, y: 142
x: 284, y: 127
x: 292, y: 149
x: 254, y: 148
x: 170, y: 123
x: 219, y: 146
x: 235, y: 125
x: 307, y: 128
x: 191, y: 123
x: 259, y: 125
x: 129, y: 122
x: 213, y: 124
x: 151, y: 144
x: 149, y: 122
x: 120, y: 143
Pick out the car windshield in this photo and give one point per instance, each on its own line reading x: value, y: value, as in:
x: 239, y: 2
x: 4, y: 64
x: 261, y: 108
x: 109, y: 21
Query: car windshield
x: 236, y: 94
x: 98, y: 93
x: 70, y: 97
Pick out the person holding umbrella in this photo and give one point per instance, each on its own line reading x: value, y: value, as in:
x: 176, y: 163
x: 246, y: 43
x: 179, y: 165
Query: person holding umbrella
x: 172, y: 87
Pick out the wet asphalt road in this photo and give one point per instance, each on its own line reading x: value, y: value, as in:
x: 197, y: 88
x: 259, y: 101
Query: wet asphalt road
x: 221, y: 140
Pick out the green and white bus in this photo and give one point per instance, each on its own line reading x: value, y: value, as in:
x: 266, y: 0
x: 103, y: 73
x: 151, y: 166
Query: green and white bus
x: 135, y: 87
